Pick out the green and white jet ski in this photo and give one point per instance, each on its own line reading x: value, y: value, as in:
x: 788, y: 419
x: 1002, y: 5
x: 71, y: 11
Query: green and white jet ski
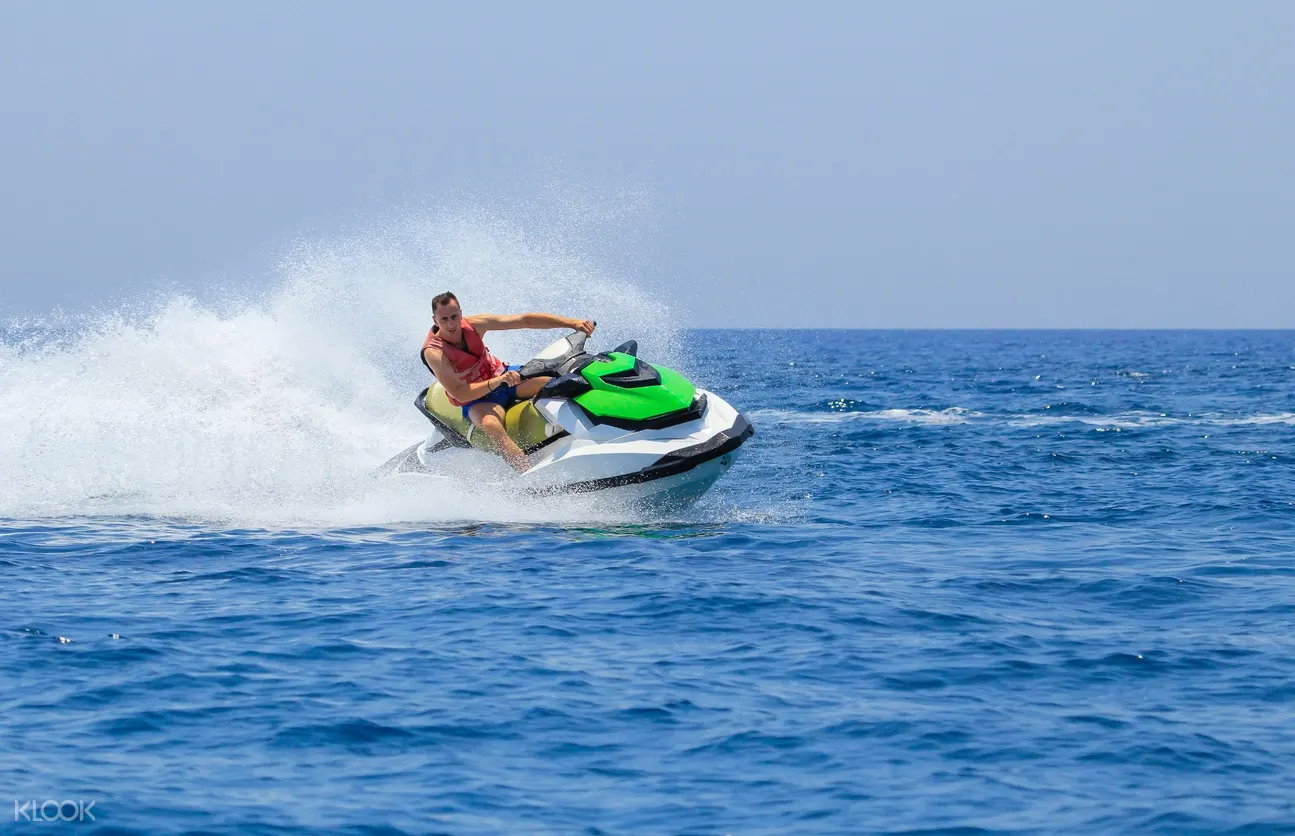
x: 604, y: 422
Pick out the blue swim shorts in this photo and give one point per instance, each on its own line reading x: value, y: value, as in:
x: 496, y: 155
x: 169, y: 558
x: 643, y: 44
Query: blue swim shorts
x: 505, y: 396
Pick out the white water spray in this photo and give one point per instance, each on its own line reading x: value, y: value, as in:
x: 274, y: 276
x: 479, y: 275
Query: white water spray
x: 274, y: 411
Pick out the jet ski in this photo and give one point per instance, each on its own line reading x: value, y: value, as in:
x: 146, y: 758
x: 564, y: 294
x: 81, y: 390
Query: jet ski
x: 605, y: 422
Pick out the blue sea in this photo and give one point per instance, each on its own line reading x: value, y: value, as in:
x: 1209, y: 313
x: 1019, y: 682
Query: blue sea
x: 981, y: 582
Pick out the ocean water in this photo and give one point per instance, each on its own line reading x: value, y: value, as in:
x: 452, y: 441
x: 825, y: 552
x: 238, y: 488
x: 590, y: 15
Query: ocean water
x: 958, y: 582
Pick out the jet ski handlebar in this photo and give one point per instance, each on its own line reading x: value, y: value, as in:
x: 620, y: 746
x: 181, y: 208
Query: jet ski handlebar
x: 549, y: 362
x: 565, y: 356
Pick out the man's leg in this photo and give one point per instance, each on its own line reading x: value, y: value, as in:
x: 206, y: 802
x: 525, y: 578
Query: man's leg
x: 490, y: 418
x: 528, y: 388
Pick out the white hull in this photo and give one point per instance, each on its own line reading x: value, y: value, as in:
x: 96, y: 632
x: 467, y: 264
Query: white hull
x: 681, y: 489
x: 670, y: 457
x: 674, y: 465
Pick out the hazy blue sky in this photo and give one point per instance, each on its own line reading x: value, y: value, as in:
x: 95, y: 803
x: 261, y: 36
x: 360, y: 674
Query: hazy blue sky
x: 896, y: 164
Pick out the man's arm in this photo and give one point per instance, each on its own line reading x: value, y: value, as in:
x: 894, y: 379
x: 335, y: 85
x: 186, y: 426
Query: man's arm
x: 514, y: 322
x: 455, y: 387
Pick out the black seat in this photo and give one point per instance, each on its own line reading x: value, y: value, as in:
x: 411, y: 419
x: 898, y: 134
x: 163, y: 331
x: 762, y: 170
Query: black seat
x: 567, y: 386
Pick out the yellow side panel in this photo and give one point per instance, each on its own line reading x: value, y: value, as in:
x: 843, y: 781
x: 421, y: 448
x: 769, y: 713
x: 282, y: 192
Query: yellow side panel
x: 525, y: 425
x: 439, y: 405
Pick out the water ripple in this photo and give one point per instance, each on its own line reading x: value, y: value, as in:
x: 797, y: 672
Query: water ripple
x: 960, y: 583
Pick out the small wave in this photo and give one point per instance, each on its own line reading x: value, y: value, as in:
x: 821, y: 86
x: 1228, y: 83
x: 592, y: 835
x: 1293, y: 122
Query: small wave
x: 1135, y: 419
x: 1138, y: 419
x: 1278, y: 418
x: 1121, y: 420
x: 952, y: 415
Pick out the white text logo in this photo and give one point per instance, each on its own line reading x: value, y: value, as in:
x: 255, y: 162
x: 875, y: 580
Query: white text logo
x: 51, y: 810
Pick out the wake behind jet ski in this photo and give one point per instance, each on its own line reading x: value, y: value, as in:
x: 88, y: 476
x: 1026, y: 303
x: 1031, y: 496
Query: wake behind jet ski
x: 603, y: 422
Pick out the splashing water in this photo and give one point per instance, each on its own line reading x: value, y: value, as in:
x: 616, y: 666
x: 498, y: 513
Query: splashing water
x: 275, y: 410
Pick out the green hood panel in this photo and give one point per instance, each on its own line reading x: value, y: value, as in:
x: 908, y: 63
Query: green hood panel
x: 639, y: 403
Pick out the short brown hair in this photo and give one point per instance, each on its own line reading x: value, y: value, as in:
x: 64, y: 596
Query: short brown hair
x: 444, y: 299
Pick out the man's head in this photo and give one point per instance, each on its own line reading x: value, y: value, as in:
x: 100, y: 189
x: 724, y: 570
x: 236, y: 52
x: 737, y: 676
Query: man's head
x: 446, y: 314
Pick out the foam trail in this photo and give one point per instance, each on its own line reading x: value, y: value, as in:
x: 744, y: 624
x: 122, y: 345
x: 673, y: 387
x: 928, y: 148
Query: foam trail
x: 958, y: 415
x: 952, y: 415
x: 274, y: 410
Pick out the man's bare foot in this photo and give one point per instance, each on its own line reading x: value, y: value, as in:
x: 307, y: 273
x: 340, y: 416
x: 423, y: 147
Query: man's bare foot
x: 514, y: 456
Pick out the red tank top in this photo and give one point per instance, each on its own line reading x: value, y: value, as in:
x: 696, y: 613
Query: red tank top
x: 472, y: 366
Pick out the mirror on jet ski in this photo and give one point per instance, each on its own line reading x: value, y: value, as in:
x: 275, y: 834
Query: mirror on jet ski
x: 549, y: 362
x: 630, y: 347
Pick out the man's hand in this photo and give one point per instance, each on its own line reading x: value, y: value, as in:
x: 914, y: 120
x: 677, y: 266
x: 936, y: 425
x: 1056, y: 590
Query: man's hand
x: 508, y: 378
x: 586, y: 325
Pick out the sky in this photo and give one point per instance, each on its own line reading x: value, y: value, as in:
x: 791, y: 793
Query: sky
x: 917, y: 164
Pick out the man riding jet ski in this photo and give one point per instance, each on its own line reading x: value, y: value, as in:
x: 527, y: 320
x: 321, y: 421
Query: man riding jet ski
x: 474, y: 379
x: 608, y: 421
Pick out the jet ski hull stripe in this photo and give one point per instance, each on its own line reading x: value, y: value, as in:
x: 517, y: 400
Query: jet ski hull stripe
x: 671, y: 464
x: 557, y: 436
